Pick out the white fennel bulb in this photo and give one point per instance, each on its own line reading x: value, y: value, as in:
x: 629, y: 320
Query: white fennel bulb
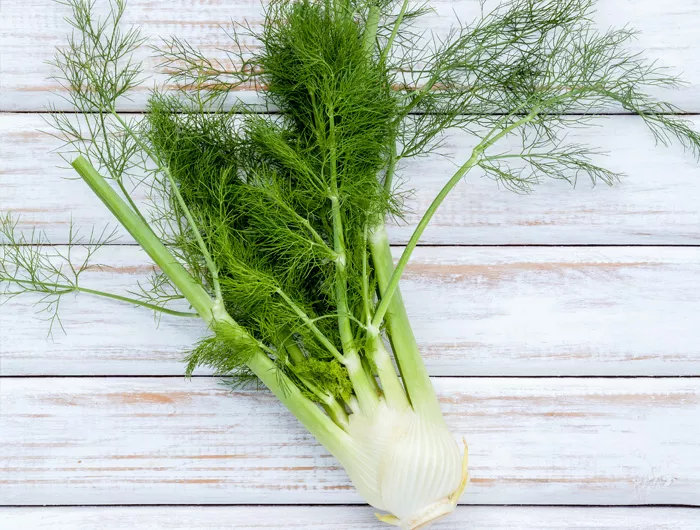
x: 406, y: 464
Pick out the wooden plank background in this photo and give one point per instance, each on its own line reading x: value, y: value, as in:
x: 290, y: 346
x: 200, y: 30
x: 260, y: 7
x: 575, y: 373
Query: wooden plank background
x: 561, y: 328
x: 323, y: 518
x: 154, y: 440
x: 655, y: 203
x: 477, y: 311
x: 33, y: 28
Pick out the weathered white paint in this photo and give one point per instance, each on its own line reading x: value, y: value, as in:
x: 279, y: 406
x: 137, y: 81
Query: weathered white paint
x: 475, y: 311
x: 31, y: 29
x: 166, y: 440
x: 658, y: 202
x: 355, y: 517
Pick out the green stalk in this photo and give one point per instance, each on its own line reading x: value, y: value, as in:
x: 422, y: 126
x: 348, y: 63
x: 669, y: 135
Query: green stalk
x: 403, y: 342
x: 371, y: 28
x: 333, y: 438
x: 336, y: 411
x: 423, y: 223
x: 310, y: 324
x: 393, y: 283
x: 418, y: 388
x: 213, y: 270
x: 366, y: 297
x: 339, y: 247
x: 65, y: 289
x: 364, y: 387
x: 391, y: 168
x: 330, y: 404
x: 294, y: 351
x: 144, y: 235
x: 120, y: 298
x: 394, y: 32
x: 108, y: 147
x: 392, y: 388
x: 409, y: 360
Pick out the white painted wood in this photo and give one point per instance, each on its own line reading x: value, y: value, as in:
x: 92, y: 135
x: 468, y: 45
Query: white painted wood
x: 355, y: 517
x: 169, y: 441
x: 475, y: 311
x: 31, y: 29
x: 658, y: 202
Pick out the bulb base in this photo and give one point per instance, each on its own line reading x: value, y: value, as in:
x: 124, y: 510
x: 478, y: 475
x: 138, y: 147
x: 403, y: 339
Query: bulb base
x: 429, y: 515
x: 437, y: 510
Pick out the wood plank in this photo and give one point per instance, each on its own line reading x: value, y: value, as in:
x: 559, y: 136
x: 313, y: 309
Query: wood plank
x: 168, y: 441
x: 339, y: 517
x: 475, y: 311
x: 669, y: 34
x: 657, y: 203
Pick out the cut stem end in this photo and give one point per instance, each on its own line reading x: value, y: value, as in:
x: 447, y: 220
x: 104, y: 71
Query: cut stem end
x: 429, y: 515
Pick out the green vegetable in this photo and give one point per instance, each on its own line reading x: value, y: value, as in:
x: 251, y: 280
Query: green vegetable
x: 271, y: 226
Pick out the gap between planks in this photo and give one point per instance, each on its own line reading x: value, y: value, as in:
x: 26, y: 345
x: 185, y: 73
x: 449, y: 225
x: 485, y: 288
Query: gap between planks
x: 347, y: 505
x: 438, y: 376
x: 273, y: 113
x: 429, y: 245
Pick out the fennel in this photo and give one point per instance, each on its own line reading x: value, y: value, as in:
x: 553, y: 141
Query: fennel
x: 271, y: 226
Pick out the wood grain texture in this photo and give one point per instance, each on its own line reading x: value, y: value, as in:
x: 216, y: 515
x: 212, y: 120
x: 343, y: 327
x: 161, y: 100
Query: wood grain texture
x: 657, y: 202
x: 31, y: 29
x: 168, y: 441
x: 475, y: 311
x: 356, y: 517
